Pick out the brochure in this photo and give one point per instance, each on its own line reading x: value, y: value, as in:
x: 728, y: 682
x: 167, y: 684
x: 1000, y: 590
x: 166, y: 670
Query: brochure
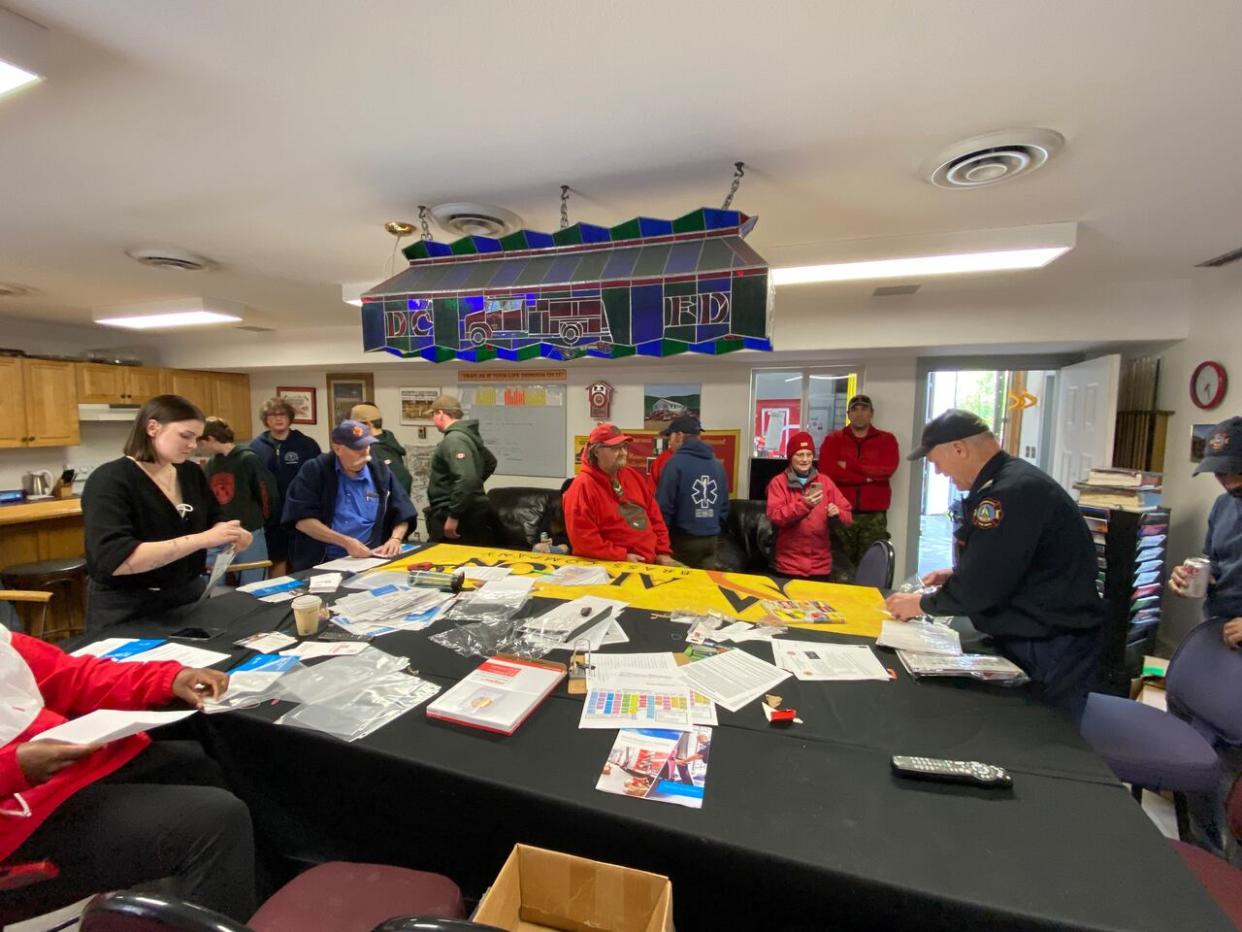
x: 802, y: 612
x: 809, y: 660
x: 610, y: 707
x: 666, y: 766
x: 499, y: 695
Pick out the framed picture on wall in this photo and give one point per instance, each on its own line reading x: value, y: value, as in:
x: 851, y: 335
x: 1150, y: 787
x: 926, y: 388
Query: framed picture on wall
x: 416, y: 405
x: 346, y: 389
x: 303, y: 401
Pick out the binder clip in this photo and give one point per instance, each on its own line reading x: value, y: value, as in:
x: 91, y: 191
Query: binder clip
x: 579, y: 664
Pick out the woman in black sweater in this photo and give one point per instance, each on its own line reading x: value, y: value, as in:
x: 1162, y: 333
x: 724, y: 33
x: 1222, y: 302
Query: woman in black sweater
x: 150, y: 519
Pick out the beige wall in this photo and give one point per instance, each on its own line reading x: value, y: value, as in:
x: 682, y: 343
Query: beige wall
x: 1215, y: 314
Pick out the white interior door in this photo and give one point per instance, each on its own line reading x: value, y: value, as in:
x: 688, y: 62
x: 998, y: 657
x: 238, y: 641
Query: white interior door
x: 1086, y: 419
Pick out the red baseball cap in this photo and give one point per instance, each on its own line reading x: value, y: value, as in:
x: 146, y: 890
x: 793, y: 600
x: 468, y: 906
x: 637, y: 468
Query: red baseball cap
x: 799, y: 442
x: 609, y: 435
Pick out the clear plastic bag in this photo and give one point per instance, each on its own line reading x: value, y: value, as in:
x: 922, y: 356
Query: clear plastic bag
x: 338, y: 674
x: 489, y: 604
x: 249, y: 689
x: 489, y: 638
x: 915, y: 584
x: 362, y: 708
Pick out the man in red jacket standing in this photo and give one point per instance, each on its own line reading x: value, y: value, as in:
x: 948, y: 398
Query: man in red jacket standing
x: 610, y: 512
x: 861, y: 459
x: 120, y: 814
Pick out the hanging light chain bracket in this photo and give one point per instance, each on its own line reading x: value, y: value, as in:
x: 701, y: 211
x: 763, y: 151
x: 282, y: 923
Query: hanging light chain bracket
x: 739, y: 171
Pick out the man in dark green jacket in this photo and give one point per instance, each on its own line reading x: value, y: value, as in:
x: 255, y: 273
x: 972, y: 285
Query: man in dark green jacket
x: 387, y: 448
x: 459, y: 510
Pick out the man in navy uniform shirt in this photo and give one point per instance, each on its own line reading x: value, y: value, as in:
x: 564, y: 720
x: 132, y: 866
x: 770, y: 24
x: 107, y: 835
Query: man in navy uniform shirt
x: 1026, y: 564
x: 344, y: 503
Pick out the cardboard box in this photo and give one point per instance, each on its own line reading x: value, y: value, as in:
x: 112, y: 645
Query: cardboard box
x: 539, y: 889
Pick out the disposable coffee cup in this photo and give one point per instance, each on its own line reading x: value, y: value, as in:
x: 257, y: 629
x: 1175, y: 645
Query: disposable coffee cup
x: 306, y: 610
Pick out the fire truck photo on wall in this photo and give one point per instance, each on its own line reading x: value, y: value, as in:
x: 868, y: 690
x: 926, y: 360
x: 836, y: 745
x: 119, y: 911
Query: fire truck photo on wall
x: 647, y: 287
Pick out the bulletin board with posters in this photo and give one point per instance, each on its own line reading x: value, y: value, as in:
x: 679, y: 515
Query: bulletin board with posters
x: 647, y: 443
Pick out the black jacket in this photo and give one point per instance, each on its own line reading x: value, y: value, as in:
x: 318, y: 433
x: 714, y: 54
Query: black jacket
x: 460, y: 465
x: 313, y: 495
x: 1026, y: 563
x: 388, y: 448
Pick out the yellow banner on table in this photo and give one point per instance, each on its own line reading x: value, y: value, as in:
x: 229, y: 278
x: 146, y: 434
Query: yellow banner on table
x: 671, y: 588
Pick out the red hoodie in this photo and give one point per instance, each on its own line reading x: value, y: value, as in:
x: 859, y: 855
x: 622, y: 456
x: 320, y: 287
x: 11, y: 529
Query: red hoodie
x: 873, y: 456
x: 802, y: 544
x: 594, y: 523
x: 73, y: 686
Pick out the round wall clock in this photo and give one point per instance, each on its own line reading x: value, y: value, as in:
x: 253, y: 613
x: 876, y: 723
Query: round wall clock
x: 1207, y: 384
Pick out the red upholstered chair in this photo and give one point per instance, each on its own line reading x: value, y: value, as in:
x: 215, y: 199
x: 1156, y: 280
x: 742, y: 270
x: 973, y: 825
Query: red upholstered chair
x: 1222, y: 880
x: 335, y: 897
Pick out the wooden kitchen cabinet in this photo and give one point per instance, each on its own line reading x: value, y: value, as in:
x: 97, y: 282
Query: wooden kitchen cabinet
x: 40, y: 403
x: 231, y: 401
x: 100, y: 383
x: 192, y: 385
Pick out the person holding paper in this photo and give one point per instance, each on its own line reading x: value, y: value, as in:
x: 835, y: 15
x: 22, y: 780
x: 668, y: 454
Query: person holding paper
x: 115, y: 815
x: 150, y: 519
x: 344, y: 503
x: 1026, y: 563
x: 802, y: 502
x: 610, y: 513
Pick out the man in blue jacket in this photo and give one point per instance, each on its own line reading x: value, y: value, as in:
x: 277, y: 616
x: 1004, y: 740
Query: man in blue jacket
x: 693, y: 495
x: 343, y: 503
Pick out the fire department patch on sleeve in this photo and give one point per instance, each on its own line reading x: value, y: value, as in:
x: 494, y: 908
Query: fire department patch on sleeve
x: 987, y: 514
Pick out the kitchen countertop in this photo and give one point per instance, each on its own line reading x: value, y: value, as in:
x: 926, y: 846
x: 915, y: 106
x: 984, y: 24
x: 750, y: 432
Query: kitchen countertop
x: 43, y: 510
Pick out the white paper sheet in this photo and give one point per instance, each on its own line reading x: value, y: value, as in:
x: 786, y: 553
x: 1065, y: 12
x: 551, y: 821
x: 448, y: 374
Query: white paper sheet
x: 647, y: 671
x: 99, y: 648
x: 353, y: 564
x: 308, y: 649
x: 619, y: 707
x: 104, y: 725
x: 815, y: 660
x: 325, y: 582
x: 920, y: 637
x: 259, y: 588
x: 485, y: 573
x: 732, y: 678
x: 184, y: 654
x: 280, y: 597
x: 577, y: 576
x: 266, y: 642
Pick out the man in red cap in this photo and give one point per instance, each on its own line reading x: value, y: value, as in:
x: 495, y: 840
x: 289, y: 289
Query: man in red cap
x: 610, y: 513
x: 801, y: 502
x: 861, y: 460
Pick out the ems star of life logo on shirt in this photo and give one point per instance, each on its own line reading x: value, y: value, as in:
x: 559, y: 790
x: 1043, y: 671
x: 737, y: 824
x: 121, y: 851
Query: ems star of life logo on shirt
x: 704, y: 494
x: 987, y: 514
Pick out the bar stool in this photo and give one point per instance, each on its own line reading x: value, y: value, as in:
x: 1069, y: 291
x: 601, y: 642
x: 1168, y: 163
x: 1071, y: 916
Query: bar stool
x: 65, y: 578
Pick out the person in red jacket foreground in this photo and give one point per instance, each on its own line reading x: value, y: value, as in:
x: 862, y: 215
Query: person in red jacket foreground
x: 116, y: 815
x: 801, y: 501
x: 610, y: 512
x: 861, y: 459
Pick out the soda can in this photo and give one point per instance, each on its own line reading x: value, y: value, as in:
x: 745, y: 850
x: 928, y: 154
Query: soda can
x: 1197, y: 571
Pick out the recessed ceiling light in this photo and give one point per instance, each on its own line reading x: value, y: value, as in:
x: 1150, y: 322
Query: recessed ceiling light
x: 23, y: 51
x: 943, y: 254
x: 160, y: 315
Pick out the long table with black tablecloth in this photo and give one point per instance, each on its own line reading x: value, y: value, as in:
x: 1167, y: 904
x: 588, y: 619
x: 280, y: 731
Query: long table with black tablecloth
x: 804, y: 828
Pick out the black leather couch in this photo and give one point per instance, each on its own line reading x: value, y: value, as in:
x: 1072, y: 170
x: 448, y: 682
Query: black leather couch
x: 747, y: 546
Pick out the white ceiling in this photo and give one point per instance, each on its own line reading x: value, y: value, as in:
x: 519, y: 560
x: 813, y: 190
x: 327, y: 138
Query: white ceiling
x: 276, y: 137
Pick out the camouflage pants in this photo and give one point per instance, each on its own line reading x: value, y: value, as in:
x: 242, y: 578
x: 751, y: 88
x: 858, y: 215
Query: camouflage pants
x: 868, y: 527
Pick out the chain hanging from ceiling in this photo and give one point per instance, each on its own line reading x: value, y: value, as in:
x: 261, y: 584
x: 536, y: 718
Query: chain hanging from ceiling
x: 564, y: 206
x: 422, y: 220
x: 739, y: 171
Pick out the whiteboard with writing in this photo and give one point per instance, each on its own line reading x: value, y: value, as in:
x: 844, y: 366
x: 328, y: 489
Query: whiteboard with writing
x: 523, y: 426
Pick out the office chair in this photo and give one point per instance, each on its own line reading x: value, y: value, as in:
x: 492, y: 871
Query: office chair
x: 334, y: 897
x: 1155, y: 750
x: 875, y: 566
x: 1222, y: 880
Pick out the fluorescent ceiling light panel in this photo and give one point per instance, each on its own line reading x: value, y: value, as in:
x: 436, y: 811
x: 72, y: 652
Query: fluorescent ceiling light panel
x: 352, y: 292
x: 23, y: 51
x: 162, y: 315
x: 944, y: 254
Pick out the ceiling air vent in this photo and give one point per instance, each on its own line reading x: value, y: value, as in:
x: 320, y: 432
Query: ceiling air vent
x: 465, y: 219
x: 888, y: 291
x: 175, y: 259
x: 992, y: 158
x: 1227, y: 259
x: 11, y: 290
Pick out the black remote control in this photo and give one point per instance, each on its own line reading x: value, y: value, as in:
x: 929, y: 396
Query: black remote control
x: 953, y: 771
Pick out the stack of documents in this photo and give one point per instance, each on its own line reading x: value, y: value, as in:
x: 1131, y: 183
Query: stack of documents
x: 919, y: 636
x: 148, y: 649
x: 652, y: 674
x: 813, y: 660
x: 732, y: 678
x: 280, y: 589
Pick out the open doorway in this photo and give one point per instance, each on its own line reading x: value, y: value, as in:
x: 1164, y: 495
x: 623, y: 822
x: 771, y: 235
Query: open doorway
x: 1017, y: 403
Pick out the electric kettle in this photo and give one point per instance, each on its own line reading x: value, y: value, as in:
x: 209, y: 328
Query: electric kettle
x: 38, y: 482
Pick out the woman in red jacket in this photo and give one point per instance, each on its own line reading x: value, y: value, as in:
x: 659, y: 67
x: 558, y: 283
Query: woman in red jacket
x: 610, y: 513
x: 116, y: 815
x: 801, y: 500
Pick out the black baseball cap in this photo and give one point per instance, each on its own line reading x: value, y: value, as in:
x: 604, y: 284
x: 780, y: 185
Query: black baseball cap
x: 1223, y: 448
x: 860, y: 400
x: 683, y: 425
x: 954, y: 424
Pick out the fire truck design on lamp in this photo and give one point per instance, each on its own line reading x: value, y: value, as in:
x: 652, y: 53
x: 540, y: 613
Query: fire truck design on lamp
x: 647, y: 287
